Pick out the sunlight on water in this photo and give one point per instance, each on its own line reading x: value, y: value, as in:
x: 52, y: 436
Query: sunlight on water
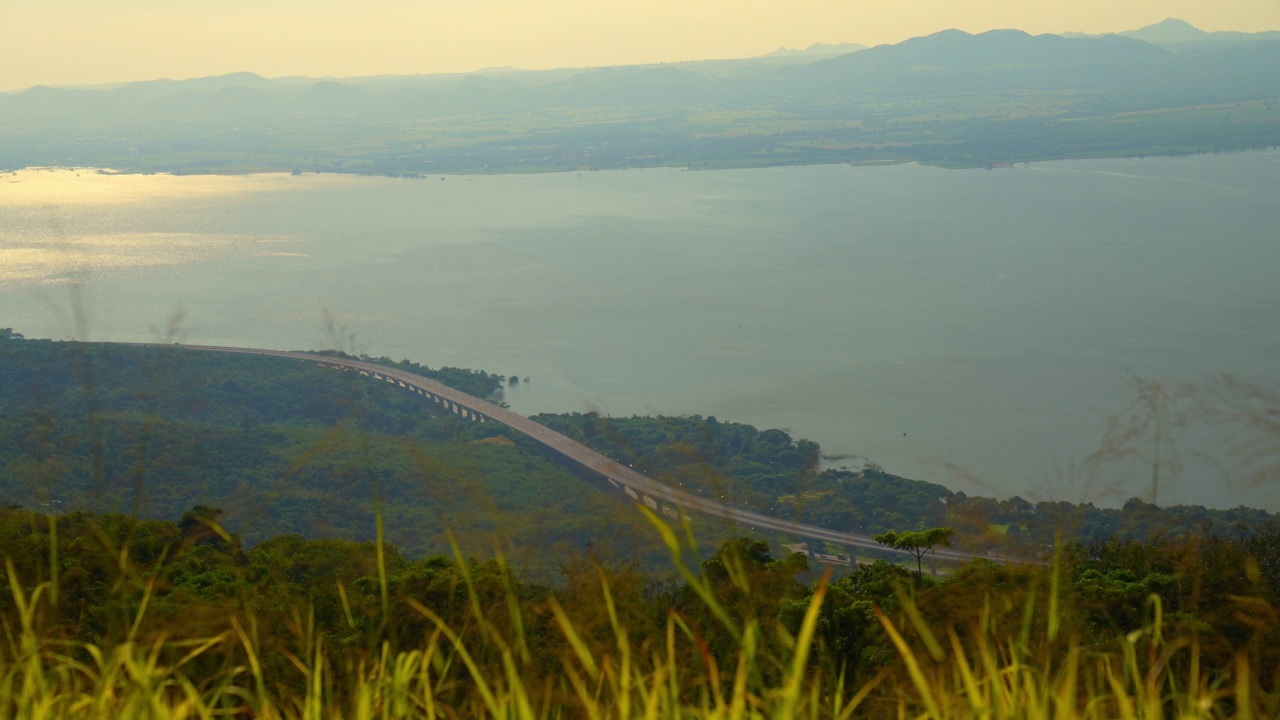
x: 54, y: 210
x: 46, y: 187
x: 52, y: 260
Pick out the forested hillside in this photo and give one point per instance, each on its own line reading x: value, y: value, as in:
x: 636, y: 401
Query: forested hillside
x: 770, y: 472
x: 287, y: 447
x: 281, y: 447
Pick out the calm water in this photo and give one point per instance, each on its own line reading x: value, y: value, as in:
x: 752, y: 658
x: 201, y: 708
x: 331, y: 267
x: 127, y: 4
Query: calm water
x: 948, y: 325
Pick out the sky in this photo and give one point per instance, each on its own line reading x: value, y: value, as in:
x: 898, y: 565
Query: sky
x: 71, y: 42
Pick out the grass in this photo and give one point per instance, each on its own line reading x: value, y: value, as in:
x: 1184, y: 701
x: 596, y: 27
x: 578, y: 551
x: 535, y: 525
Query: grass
x: 486, y: 664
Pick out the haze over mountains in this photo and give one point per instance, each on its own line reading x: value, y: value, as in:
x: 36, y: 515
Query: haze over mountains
x: 949, y: 98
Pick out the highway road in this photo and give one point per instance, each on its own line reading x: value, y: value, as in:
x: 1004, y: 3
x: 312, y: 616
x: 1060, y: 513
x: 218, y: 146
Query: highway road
x: 639, y: 487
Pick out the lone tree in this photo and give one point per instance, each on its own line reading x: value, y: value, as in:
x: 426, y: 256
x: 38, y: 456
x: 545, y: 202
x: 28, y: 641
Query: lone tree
x: 917, y: 542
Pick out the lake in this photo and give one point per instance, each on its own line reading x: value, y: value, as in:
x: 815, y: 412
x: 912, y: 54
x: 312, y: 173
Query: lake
x: 973, y: 328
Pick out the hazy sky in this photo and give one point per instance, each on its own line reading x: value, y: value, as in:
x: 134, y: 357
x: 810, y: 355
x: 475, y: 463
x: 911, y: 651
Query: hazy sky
x: 60, y: 42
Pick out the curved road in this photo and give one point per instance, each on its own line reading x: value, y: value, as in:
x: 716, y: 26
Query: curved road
x: 639, y: 487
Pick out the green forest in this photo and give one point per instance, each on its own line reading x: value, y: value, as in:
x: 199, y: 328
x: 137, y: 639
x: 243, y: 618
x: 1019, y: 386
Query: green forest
x: 281, y: 447
x: 770, y: 472
x: 285, y: 447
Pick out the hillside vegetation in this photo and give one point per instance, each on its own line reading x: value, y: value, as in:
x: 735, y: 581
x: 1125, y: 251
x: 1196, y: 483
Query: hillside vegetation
x: 281, y: 447
x: 770, y: 472
x: 287, y: 447
x: 107, y: 617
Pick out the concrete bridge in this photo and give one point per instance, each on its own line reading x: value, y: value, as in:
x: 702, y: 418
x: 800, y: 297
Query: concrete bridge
x: 640, y: 488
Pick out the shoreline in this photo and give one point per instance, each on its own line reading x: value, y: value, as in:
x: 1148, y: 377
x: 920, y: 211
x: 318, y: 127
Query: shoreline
x: 272, y: 171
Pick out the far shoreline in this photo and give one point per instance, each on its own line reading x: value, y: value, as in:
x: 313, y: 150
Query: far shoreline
x: 268, y: 170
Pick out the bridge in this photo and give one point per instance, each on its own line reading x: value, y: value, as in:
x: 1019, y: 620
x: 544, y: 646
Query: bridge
x: 640, y: 488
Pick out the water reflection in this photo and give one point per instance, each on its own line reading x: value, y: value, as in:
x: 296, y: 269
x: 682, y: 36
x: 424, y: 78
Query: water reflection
x: 56, y: 241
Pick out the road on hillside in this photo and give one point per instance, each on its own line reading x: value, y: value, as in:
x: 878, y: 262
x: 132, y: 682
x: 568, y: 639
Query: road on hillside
x: 639, y: 487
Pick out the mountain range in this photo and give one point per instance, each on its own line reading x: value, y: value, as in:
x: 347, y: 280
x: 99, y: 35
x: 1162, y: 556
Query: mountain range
x: 951, y: 98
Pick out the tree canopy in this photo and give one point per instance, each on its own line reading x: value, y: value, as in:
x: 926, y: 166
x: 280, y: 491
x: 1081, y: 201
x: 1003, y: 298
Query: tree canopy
x: 918, y: 543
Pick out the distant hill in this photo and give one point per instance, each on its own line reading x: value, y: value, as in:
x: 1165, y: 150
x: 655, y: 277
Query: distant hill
x: 816, y: 50
x: 212, y: 82
x: 951, y: 98
x: 1175, y: 34
x: 954, y: 62
x: 959, y: 50
x: 1171, y: 30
